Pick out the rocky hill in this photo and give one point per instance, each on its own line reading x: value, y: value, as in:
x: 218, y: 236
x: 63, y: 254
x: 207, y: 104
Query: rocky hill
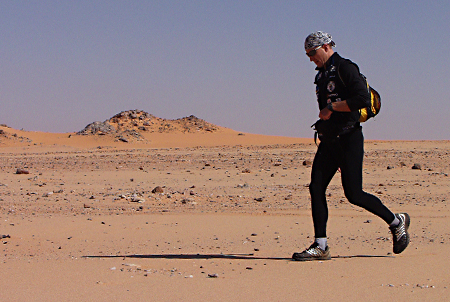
x: 133, y: 123
x: 5, y: 135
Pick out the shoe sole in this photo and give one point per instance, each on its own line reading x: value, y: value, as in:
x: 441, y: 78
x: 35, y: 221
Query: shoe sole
x: 324, y: 258
x: 311, y: 259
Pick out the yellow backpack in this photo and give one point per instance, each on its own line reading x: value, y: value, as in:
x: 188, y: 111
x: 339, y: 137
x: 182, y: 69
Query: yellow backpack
x: 375, y: 100
x: 375, y: 104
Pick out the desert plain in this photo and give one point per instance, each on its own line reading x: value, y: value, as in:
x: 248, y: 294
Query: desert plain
x: 202, y: 213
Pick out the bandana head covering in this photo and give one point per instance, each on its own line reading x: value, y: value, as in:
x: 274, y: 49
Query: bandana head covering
x: 317, y: 39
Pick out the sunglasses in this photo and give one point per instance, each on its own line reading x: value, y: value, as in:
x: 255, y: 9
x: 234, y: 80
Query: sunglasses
x: 313, y: 52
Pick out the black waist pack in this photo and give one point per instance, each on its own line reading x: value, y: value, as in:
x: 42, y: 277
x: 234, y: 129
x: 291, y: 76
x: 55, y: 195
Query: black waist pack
x: 325, y: 129
x: 330, y: 131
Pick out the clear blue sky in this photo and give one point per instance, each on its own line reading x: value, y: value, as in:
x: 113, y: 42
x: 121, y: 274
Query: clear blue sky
x: 238, y: 64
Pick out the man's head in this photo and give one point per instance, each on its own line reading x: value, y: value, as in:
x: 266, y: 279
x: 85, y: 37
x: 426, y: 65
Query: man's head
x: 319, y: 47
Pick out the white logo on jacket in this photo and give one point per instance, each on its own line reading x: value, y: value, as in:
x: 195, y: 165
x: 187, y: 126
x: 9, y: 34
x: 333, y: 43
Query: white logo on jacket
x: 331, y: 86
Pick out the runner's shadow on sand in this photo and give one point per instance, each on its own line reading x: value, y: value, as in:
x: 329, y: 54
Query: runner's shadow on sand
x: 192, y: 256
x: 361, y: 256
x: 221, y: 256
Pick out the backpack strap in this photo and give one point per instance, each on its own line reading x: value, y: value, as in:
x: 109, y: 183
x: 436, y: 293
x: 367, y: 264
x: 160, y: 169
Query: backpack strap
x: 316, y: 134
x: 339, y: 74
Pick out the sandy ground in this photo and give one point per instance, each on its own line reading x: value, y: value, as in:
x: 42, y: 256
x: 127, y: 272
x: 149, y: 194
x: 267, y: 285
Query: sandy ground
x: 84, y: 224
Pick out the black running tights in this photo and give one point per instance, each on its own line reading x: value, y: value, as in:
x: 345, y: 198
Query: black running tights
x: 346, y: 153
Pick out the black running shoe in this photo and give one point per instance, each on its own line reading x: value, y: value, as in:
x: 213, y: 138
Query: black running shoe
x: 400, y: 234
x: 314, y: 252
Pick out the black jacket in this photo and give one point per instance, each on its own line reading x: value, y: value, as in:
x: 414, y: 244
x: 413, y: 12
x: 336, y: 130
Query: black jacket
x: 346, y: 84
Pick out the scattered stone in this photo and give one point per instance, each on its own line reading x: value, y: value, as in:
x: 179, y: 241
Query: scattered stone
x: 137, y: 198
x: 131, y: 265
x: 246, y: 171
x: 188, y: 200
x: 213, y: 275
x: 307, y: 163
x: 22, y: 171
x: 416, y: 167
x: 158, y: 189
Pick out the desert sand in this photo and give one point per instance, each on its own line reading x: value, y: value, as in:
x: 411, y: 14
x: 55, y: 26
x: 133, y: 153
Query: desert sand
x: 211, y: 216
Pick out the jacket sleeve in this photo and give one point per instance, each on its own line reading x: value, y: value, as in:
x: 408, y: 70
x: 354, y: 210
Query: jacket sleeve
x: 358, y: 94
